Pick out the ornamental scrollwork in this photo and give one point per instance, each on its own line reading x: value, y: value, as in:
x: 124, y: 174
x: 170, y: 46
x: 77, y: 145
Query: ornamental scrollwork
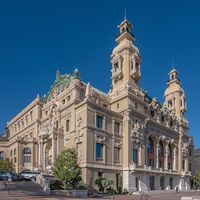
x: 154, y: 104
x: 185, y: 150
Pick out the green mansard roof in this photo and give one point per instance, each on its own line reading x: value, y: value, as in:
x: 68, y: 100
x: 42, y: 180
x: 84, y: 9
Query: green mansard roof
x: 61, y: 82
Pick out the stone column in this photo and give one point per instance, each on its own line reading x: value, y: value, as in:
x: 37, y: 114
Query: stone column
x: 143, y: 183
x: 53, y: 149
x: 57, y: 145
x: 180, y: 153
x: 174, y: 159
x: 104, y: 123
x: 129, y: 181
x: 40, y: 157
x: 140, y: 154
x: 157, y: 156
x: 166, y: 157
x: 186, y: 164
x: 113, y: 141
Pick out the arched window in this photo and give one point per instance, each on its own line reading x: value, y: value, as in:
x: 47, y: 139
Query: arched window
x: 150, y: 148
x: 150, y: 152
x: 2, y: 155
x: 161, y: 149
x: 26, y: 155
x: 170, y: 152
x: 170, y: 157
x: 161, y: 154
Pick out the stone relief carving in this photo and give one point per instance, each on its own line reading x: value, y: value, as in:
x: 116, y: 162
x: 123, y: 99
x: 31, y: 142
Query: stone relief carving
x: 79, y: 120
x: 185, y: 148
x: 117, y: 142
x: 100, y: 138
x: 137, y: 133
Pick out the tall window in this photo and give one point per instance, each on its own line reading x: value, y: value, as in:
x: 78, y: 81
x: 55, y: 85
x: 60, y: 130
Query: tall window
x: 170, y: 157
x: 135, y: 156
x: 117, y: 154
x: 117, y: 128
x: 14, y: 151
x: 116, y: 67
x: 99, y: 122
x: 190, y: 167
x: 99, y: 151
x: 183, y: 164
x: 67, y: 125
x: 150, y: 148
x: 27, y: 155
x: 2, y: 155
x: 150, y: 152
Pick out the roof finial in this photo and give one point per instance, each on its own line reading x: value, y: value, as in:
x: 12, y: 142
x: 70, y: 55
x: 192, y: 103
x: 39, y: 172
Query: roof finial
x: 125, y: 13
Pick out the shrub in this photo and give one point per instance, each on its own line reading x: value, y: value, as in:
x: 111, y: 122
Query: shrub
x: 103, y: 184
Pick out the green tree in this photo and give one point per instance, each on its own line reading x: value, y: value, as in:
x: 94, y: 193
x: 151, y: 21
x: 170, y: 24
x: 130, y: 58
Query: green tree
x: 196, y: 179
x: 66, y: 168
x: 6, y: 165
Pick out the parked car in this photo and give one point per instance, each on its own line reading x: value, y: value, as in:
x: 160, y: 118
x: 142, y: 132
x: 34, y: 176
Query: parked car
x: 10, y: 176
x: 29, y: 176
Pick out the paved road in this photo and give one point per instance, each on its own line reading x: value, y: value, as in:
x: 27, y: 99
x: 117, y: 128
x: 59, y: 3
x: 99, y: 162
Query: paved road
x: 31, y: 191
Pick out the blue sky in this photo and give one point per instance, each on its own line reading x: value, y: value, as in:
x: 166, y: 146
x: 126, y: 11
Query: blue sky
x: 39, y: 37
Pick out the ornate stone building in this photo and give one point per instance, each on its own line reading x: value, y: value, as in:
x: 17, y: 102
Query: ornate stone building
x: 123, y: 135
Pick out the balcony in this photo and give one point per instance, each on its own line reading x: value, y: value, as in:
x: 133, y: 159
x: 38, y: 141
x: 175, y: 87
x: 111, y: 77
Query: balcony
x: 144, y: 168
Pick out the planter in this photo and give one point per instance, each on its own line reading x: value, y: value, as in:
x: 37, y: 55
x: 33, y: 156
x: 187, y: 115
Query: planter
x: 70, y: 193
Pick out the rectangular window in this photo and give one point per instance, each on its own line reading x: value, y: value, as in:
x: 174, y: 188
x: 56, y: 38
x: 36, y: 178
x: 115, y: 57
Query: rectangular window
x: 99, y: 151
x: 135, y: 156
x: 27, y: 159
x: 99, y: 122
x: 169, y: 165
x: 150, y: 163
x: 117, y: 128
x: 15, y: 159
x: 170, y: 104
x: 183, y: 164
x: 67, y: 125
x: 190, y: 167
x: 117, y: 154
x: 116, y: 67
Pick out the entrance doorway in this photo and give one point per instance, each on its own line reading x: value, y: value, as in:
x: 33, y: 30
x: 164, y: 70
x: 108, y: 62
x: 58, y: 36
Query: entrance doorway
x: 162, y: 182
x: 137, y: 184
x: 152, y: 182
x: 171, y: 183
